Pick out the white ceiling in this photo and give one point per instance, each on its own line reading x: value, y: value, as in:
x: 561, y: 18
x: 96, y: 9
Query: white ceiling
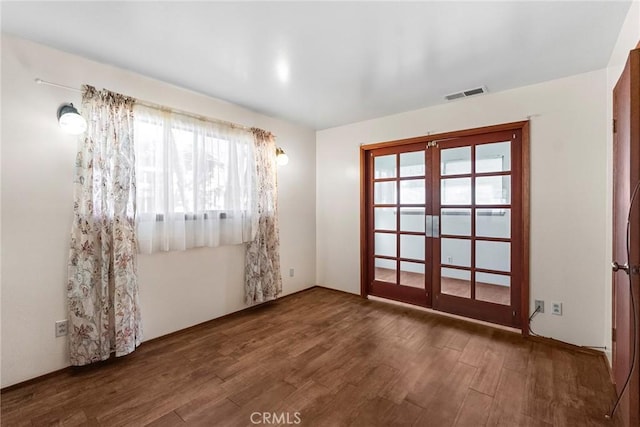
x: 345, y: 61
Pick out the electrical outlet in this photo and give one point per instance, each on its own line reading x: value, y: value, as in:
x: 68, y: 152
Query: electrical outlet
x: 556, y: 308
x: 450, y: 260
x: 539, y: 305
x: 291, y: 272
x: 62, y: 328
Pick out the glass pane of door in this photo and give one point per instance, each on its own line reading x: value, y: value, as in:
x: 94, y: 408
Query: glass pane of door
x: 455, y: 161
x: 455, y: 252
x: 455, y: 191
x: 494, y: 157
x: 385, y: 244
x: 384, y: 218
x: 412, y: 247
x: 412, y: 192
x: 385, y: 270
x: 493, y: 223
x: 412, y: 274
x: 385, y: 166
x: 412, y: 164
x: 455, y: 222
x: 493, y: 190
x: 412, y: 219
x: 494, y: 256
x: 495, y: 288
x: 455, y: 282
x: 384, y: 193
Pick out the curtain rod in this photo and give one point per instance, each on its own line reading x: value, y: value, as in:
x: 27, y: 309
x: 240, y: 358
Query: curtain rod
x: 158, y: 107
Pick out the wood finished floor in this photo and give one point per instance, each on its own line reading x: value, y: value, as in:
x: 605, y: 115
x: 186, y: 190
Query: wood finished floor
x: 338, y: 360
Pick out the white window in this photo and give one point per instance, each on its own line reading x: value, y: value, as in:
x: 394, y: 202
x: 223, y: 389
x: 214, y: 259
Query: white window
x: 194, y: 179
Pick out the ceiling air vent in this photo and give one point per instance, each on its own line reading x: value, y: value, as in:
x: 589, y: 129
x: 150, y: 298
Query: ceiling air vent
x: 466, y: 93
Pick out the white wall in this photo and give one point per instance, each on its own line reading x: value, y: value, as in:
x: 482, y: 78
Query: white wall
x: 568, y: 192
x: 177, y: 289
x: 627, y: 40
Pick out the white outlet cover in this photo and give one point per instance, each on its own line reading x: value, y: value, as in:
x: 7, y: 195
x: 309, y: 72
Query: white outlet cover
x: 62, y: 328
x: 556, y: 308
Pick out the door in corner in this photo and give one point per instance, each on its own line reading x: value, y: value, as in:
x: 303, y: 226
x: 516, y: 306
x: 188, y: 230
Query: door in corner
x: 626, y: 175
x: 443, y: 223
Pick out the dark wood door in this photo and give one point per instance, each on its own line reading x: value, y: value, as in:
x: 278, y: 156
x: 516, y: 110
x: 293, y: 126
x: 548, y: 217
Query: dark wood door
x: 477, y: 198
x: 626, y: 248
x: 399, y: 249
x: 443, y: 223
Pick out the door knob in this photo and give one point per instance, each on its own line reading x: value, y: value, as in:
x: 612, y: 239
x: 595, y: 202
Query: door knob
x: 624, y: 267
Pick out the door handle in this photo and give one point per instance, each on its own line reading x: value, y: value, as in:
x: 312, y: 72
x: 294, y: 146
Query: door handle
x: 432, y: 226
x: 436, y: 226
x: 629, y: 269
x: 624, y: 267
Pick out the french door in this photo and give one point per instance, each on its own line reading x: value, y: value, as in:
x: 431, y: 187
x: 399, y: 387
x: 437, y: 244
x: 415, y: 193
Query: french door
x: 443, y: 223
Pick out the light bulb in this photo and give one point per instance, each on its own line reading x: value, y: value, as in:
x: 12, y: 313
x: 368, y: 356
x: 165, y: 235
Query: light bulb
x: 70, y: 120
x: 282, y: 159
x: 73, y: 123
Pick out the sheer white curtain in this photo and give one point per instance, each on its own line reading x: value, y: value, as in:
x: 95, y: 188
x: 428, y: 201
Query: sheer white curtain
x: 195, y: 182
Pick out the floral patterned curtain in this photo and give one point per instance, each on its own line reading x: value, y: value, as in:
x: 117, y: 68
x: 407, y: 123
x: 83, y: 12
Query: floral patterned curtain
x: 263, y: 280
x: 102, y: 290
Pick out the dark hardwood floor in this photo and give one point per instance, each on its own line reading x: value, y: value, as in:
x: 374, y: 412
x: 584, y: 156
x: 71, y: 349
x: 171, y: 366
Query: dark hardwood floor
x: 327, y: 359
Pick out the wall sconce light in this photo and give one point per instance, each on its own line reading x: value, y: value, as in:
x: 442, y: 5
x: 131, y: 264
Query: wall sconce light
x: 281, y: 157
x: 70, y: 120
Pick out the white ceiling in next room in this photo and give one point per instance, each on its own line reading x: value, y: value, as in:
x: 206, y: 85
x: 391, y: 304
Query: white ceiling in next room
x: 325, y: 64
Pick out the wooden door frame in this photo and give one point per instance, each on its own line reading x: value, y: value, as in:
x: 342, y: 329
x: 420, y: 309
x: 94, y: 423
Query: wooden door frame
x: 523, y: 126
